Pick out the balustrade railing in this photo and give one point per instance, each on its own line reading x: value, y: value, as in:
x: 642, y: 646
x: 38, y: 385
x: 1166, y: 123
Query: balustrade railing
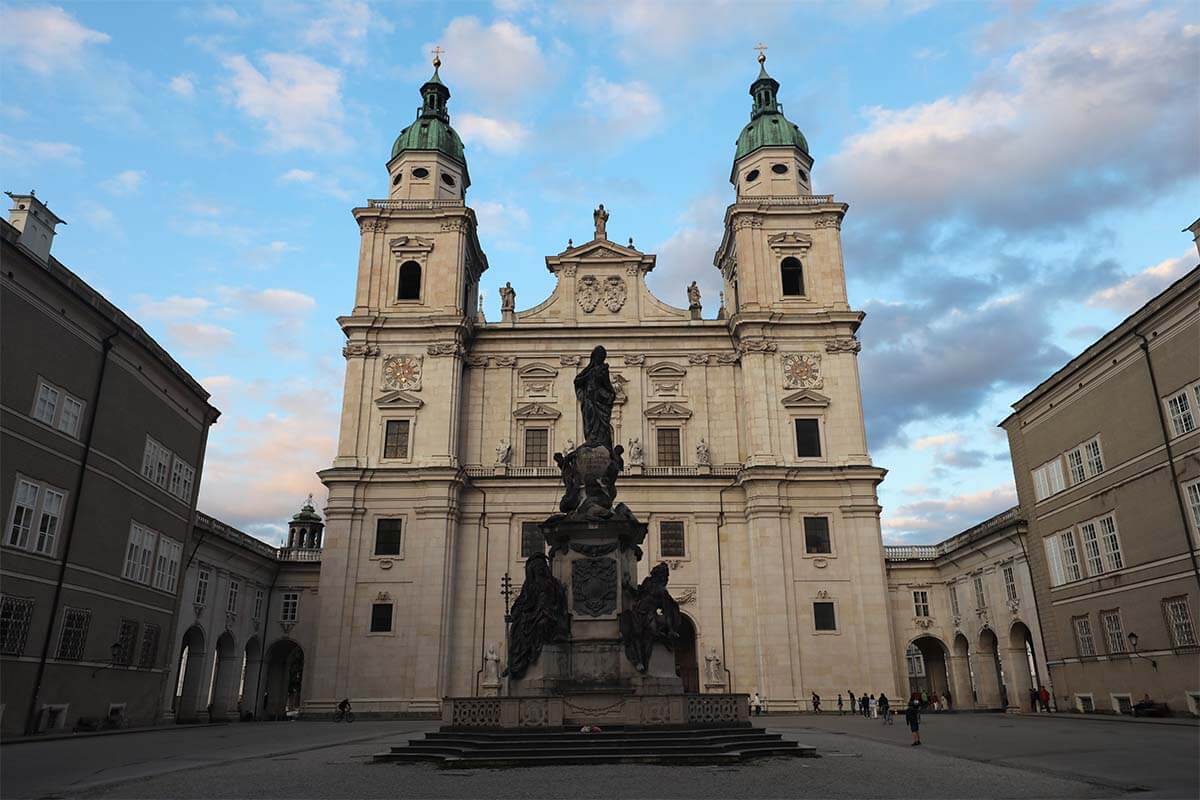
x: 299, y: 554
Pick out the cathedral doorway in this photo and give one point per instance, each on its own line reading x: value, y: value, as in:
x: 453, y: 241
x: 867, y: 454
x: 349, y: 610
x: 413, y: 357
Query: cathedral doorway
x: 927, y: 669
x: 284, y: 679
x: 687, y: 666
x: 190, y: 675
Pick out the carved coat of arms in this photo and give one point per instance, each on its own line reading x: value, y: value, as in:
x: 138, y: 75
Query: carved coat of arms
x: 594, y: 586
x: 614, y: 293
x: 587, y: 292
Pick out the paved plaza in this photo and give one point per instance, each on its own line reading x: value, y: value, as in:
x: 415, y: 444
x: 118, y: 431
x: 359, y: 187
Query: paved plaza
x: 963, y: 756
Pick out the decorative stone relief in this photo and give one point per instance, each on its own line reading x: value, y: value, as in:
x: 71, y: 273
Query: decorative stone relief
x: 637, y: 453
x: 843, y: 344
x: 635, y: 361
x: 669, y: 389
x: 356, y: 350
x: 1014, y: 605
x: 445, y: 349
x: 802, y: 371
x: 699, y: 358
x: 455, y: 224
x: 568, y: 270
x: 728, y: 358
x: 373, y: 225
x: 569, y: 361
x: 823, y: 595
x: 505, y: 361
x: 620, y: 382
x: 402, y: 372
x: 594, y: 586
x: 504, y: 452
x: 534, y: 714
x: 747, y: 221
x: 685, y: 596
x: 925, y: 623
x: 587, y: 293
x: 614, y: 293
x: 631, y: 269
x: 756, y: 344
x: 790, y: 242
x: 476, y: 361
x: 828, y: 221
x: 655, y: 711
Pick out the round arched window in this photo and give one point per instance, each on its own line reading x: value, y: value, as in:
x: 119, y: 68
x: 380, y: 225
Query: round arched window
x: 779, y: 169
x: 410, y: 281
x: 752, y: 175
x: 447, y: 179
x: 420, y: 172
x: 792, y: 274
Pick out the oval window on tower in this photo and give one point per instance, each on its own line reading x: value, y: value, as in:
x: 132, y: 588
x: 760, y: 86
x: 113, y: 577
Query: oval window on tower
x: 420, y: 172
x: 803, y: 175
x: 752, y: 175
x: 447, y: 179
x: 396, y: 180
x: 779, y: 169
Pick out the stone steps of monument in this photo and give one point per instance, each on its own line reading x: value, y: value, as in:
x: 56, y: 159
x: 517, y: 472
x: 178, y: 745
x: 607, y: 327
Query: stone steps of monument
x: 520, y: 748
x: 608, y: 731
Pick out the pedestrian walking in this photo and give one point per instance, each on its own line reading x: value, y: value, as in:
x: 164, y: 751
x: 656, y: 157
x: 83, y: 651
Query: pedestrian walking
x: 1033, y: 700
x: 873, y: 707
x: 885, y: 709
x: 841, y: 708
x: 924, y: 699
x: 1044, y: 698
x: 816, y: 702
x: 946, y: 697
x: 864, y: 706
x: 756, y: 703
x: 853, y: 702
x: 912, y: 715
x: 937, y: 703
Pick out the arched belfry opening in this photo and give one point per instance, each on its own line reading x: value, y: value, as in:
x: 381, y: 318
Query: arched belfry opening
x: 410, y: 281
x: 791, y: 273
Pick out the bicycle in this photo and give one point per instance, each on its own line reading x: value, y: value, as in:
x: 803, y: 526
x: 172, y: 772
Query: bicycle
x: 343, y: 715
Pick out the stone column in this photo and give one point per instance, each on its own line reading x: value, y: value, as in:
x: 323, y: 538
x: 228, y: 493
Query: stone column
x: 960, y: 683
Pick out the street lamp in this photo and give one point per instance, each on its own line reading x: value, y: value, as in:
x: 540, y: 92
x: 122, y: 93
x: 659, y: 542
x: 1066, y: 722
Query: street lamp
x: 1133, y: 640
x: 506, y: 591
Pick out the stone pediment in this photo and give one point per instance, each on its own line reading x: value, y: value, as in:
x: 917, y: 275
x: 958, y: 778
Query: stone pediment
x: 601, y: 249
x: 668, y: 411
x: 806, y: 398
x: 537, y: 371
x: 537, y: 411
x: 665, y: 369
x: 790, y: 241
x: 410, y: 243
x: 397, y: 398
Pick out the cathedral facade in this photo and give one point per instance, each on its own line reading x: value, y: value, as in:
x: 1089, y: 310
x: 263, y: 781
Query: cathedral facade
x: 745, y: 446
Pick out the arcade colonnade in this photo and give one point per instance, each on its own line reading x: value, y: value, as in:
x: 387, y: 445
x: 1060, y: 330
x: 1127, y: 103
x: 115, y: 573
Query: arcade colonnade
x: 992, y: 672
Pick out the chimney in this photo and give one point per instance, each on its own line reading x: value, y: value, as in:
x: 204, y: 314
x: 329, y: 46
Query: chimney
x: 36, y: 223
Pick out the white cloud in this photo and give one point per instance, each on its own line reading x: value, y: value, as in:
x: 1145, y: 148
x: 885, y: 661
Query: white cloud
x: 298, y: 101
x: 297, y: 176
x: 342, y: 27
x: 937, y: 440
x: 273, y: 302
x: 666, y: 29
x: 269, y: 253
x: 13, y: 112
x: 224, y: 15
x: 200, y: 339
x: 1134, y: 291
x: 496, y: 135
x: 124, y: 183
x: 495, y: 218
x: 46, y: 38
x: 500, y: 62
x: 173, y: 307
x: 931, y: 520
x: 183, y: 85
x: 33, y: 151
x: 687, y: 256
x: 629, y: 110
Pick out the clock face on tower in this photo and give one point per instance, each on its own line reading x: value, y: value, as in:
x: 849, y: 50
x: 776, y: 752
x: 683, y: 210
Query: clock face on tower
x: 402, y: 372
x: 802, y: 370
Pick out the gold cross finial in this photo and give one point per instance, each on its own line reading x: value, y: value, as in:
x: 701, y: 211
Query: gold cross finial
x: 437, y: 56
x: 762, y: 57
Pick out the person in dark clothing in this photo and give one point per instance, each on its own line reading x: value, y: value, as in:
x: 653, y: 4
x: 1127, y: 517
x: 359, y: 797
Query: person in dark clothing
x: 1033, y: 700
x: 816, y: 702
x: 912, y: 715
x: 885, y: 710
x: 1044, y: 699
x: 841, y: 706
x: 864, y: 705
x: 853, y: 702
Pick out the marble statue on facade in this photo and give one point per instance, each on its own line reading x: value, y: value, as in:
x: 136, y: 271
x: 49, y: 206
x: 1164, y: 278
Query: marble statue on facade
x: 693, y: 295
x: 491, y: 665
x: 703, y: 456
x: 600, y: 218
x: 712, y: 667
x: 653, y: 618
x: 539, y: 616
x: 637, y: 453
x: 504, y: 452
x: 508, y: 297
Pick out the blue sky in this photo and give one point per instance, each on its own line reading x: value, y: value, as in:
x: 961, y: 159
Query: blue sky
x: 1017, y: 172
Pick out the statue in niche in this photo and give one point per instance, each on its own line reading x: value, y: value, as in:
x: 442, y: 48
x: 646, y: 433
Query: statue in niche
x: 504, y: 452
x: 652, y: 618
x: 539, y: 617
x: 491, y: 664
x: 712, y: 667
x: 693, y: 294
x: 637, y: 454
x: 703, y: 456
x: 508, y: 297
x: 600, y: 218
x: 595, y: 393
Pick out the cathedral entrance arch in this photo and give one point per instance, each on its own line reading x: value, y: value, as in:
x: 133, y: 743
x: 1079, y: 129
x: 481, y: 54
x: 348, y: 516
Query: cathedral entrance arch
x: 928, y: 669
x: 687, y: 665
x: 1021, y: 665
x: 284, y: 679
x: 989, y: 676
x: 190, y: 681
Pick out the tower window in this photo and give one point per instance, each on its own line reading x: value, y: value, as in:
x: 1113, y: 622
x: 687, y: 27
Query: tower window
x: 420, y: 172
x: 824, y: 617
x: 779, y: 169
x: 752, y: 175
x: 793, y: 277
x: 447, y: 179
x: 803, y: 175
x: 381, y: 617
x: 387, y: 536
x: 396, y: 180
x: 410, y: 281
x: 808, y: 438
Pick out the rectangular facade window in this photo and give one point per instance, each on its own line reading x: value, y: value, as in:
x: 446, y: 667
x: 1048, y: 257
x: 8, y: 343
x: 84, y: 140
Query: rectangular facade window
x: 532, y: 541
x: 381, y: 617
x: 68, y: 418
x: 1070, y: 556
x: 1075, y: 465
x: 289, y: 611
x: 1192, y: 492
x: 166, y: 565
x: 395, y: 438
x: 954, y: 600
x: 48, y: 521
x: 670, y: 539
x: 824, y: 616
x: 1093, y: 458
x: 387, y: 536
x: 808, y: 438
x: 15, y: 615
x: 1179, y: 621
x: 1112, y: 545
x: 46, y: 404
x: 1114, y: 634
x: 25, y: 502
x: 182, y: 478
x: 1091, y: 548
x: 156, y: 463
x: 149, y: 654
x: 139, y: 553
x: 1182, y: 413
x: 816, y: 535
x: 1054, y: 560
x: 1048, y: 479
x: 537, y: 447
x: 921, y: 603
x: 1083, y: 636
x: 670, y: 452
x: 1010, y: 584
x: 201, y: 587
x: 259, y: 596
x: 127, y: 637
x: 73, y: 637
x: 231, y: 601
x: 980, y: 597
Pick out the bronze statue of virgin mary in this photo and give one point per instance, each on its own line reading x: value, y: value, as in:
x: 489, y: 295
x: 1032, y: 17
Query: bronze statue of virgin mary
x: 596, y: 395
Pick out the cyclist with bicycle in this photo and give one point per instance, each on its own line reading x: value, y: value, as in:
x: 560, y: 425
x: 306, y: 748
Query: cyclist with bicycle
x: 343, y: 713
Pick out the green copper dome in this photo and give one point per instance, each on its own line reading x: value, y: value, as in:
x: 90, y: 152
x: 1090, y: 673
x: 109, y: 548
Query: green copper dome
x: 431, y: 130
x: 768, y: 126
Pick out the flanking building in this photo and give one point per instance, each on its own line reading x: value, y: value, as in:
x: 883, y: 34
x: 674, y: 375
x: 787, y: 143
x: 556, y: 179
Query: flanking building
x: 102, y: 436
x: 1106, y: 456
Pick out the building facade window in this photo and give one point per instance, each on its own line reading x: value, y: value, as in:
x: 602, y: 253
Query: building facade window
x: 166, y: 565
x: 149, y: 654
x: 532, y: 541
x: 395, y: 438
x: 36, y: 516
x: 1182, y: 408
x: 1048, y: 479
x: 954, y: 600
x: 921, y: 603
x: 409, y: 284
x: 669, y: 448
x: 156, y: 463
x: 1101, y: 546
x: 57, y: 408
x: 1091, y: 548
x: 792, y: 275
x: 916, y: 661
x: 1070, y: 556
x: 231, y: 600
x: 127, y: 637
x: 388, y: 534
x: 808, y: 438
x: 259, y: 596
x: 202, y: 576
x: 72, y: 638
x: 1085, y: 461
x: 537, y: 447
x: 980, y: 597
x: 68, y: 418
x: 15, y: 615
x: 1192, y: 492
x: 1083, y: 636
x: 1114, y: 633
x: 1112, y: 545
x: 289, y: 610
x: 183, y: 476
x: 671, y: 542
x: 45, y: 406
x: 1179, y: 621
x: 824, y: 616
x: 816, y: 535
x: 1010, y: 584
x: 381, y: 617
x: 139, y: 553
